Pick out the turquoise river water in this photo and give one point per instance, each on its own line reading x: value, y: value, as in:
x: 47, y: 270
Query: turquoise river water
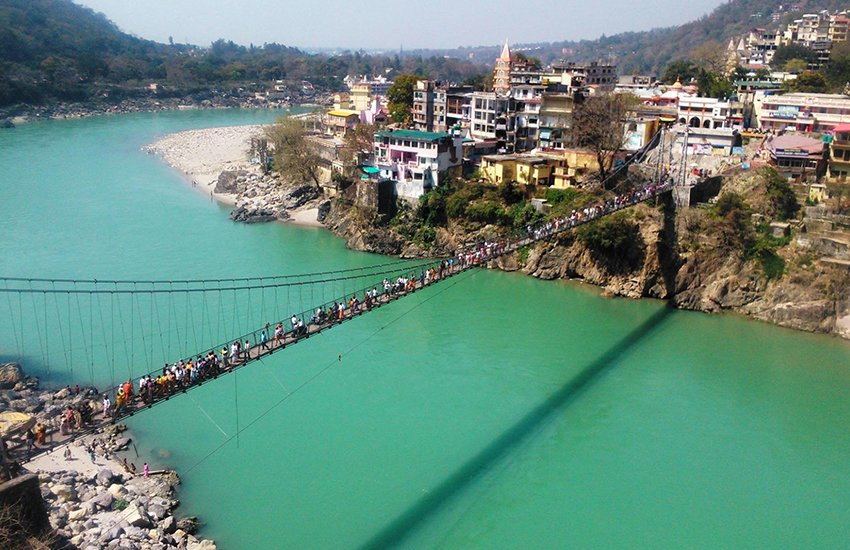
x: 490, y: 411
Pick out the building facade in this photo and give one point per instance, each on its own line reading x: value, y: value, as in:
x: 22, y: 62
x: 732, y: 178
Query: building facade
x: 805, y: 112
x: 502, y: 73
x: 417, y: 161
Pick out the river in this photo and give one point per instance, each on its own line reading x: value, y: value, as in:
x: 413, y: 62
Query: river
x: 490, y: 411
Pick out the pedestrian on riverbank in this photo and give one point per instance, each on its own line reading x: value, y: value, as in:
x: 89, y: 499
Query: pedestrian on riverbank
x: 40, y: 430
x: 30, y: 441
x: 146, y: 470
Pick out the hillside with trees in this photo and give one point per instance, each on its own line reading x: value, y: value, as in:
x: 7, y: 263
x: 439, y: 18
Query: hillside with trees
x: 55, y: 50
x: 651, y: 51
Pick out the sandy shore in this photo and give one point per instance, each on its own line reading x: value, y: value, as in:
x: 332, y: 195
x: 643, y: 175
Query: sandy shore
x: 201, y: 155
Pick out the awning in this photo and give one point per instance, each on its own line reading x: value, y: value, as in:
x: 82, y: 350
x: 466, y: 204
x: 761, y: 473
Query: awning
x: 371, y: 170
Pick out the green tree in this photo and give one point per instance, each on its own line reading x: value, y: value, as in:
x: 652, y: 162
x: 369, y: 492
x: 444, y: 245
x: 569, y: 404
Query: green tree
x: 400, y: 97
x: 615, y: 235
x: 795, y: 66
x: 782, y: 202
x: 837, y: 71
x: 483, y: 81
x: 809, y: 81
x: 787, y: 52
x: 734, y: 226
x: 294, y: 156
x: 712, y: 84
x: 532, y: 62
x: 681, y: 69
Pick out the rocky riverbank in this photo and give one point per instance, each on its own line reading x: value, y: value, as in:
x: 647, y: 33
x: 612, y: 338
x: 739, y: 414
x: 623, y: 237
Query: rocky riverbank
x: 95, y: 498
x: 21, y: 114
x: 217, y: 161
x: 671, y: 259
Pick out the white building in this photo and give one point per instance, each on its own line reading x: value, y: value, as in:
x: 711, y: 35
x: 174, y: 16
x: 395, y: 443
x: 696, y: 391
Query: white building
x: 705, y: 112
x: 417, y: 161
x: 490, y: 117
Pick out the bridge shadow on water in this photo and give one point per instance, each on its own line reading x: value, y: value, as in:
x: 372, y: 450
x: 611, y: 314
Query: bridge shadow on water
x: 407, y: 522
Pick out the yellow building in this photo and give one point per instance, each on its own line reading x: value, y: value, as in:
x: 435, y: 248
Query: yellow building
x: 523, y: 169
x: 339, y: 122
x: 361, y: 96
x: 572, y: 167
x: 839, y: 154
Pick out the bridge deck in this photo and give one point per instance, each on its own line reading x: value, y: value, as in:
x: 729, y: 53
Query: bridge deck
x: 464, y: 261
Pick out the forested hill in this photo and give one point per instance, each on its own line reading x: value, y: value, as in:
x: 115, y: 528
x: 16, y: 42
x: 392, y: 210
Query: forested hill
x: 48, y: 47
x: 650, y: 51
x: 56, y: 50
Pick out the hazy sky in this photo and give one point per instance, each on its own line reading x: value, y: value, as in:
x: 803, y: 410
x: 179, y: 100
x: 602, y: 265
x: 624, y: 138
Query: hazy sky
x: 390, y: 24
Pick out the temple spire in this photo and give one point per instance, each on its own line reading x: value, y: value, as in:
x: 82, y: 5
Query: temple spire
x: 502, y: 72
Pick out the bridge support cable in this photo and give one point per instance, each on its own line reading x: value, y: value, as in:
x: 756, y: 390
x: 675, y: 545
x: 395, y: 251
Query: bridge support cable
x: 333, y: 362
x: 205, y: 413
x: 18, y: 346
x: 61, y: 331
x: 192, y: 320
x: 37, y: 328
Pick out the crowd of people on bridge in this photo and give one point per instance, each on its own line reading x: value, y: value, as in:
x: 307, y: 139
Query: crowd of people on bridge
x: 185, y: 373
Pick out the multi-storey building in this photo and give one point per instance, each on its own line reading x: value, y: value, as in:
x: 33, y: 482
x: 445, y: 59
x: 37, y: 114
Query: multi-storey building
x: 555, y: 121
x: 459, y: 107
x: 805, y: 112
x: 839, y: 27
x: 360, y: 96
x: 339, y: 122
x: 417, y: 161
x: 528, y: 100
x: 439, y: 108
x: 524, y: 169
x: 491, y: 118
x: 839, y: 156
x: 707, y: 112
x: 429, y: 106
x: 602, y: 76
x: 797, y: 157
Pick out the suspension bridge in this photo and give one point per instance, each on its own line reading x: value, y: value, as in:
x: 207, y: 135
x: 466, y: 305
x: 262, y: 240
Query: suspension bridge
x: 123, y: 330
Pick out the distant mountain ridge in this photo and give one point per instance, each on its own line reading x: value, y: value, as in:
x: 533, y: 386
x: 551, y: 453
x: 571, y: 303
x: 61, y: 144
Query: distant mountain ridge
x: 650, y: 51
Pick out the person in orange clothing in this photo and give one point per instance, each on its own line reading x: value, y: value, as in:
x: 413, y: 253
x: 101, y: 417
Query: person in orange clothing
x: 40, y: 432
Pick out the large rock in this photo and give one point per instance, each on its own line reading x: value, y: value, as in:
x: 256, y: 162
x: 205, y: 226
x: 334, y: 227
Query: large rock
x: 255, y: 214
x: 10, y: 375
x: 324, y: 210
x: 64, y: 491
x: 157, y: 512
x: 135, y: 516
x: 302, y: 195
x: 105, y: 477
x: 77, y: 515
x: 120, y: 444
x: 117, y: 490
x: 168, y: 525
x: 188, y: 524
x: 201, y: 545
x: 103, y: 500
x: 111, y: 534
x: 228, y: 181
